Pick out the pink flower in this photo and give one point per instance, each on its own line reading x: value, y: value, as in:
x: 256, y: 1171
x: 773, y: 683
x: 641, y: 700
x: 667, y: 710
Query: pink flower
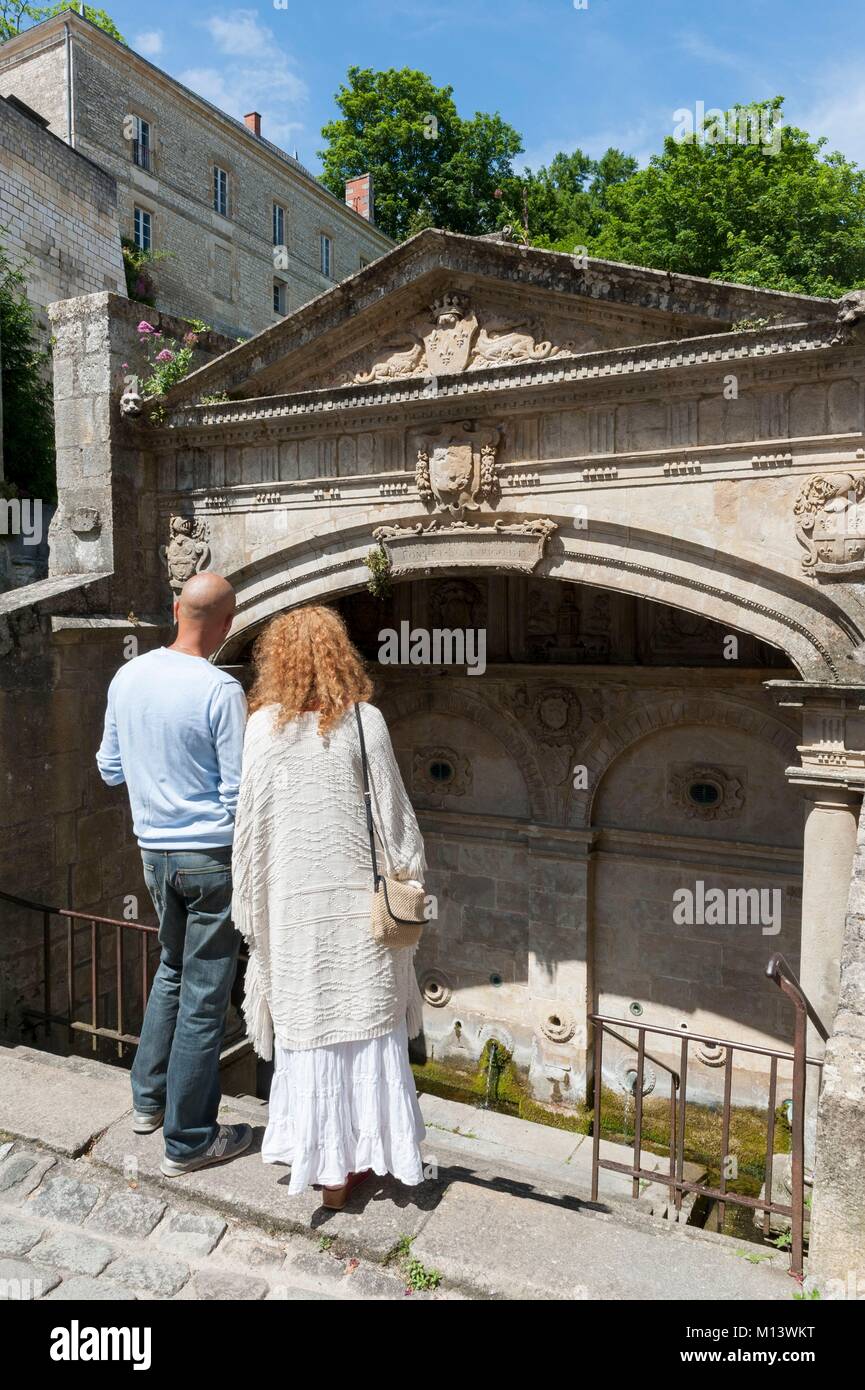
x: 124, y: 366
x: 165, y: 356
x: 145, y: 327
x: 190, y: 339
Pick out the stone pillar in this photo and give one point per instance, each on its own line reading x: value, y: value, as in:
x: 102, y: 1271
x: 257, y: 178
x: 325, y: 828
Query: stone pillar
x: 832, y: 777
x: 836, y: 1261
x: 830, y: 843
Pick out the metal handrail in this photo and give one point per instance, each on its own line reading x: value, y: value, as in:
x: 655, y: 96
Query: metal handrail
x: 779, y: 971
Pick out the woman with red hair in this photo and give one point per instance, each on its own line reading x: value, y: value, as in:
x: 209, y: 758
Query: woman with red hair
x: 333, y: 1005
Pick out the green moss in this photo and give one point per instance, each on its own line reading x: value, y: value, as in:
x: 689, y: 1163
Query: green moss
x: 507, y: 1093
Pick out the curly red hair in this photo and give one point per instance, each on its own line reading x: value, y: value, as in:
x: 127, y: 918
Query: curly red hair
x: 305, y: 660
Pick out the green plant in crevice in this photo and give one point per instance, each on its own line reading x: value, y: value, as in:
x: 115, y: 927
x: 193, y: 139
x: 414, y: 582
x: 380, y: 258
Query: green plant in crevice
x: 168, y: 359
x: 421, y: 1279
x: 380, y: 571
x: 418, y: 1278
x: 136, y: 267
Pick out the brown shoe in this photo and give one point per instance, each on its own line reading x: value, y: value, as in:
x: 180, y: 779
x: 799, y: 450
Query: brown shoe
x: 335, y: 1198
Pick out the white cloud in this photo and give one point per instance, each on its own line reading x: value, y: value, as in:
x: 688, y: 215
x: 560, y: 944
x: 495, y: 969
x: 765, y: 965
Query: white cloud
x: 149, y: 44
x: 258, y: 75
x: 836, y: 109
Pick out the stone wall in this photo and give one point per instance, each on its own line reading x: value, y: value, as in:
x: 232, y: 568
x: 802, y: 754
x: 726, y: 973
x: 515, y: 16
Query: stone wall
x: 220, y: 268
x: 106, y: 515
x: 65, y: 838
x: 58, y: 214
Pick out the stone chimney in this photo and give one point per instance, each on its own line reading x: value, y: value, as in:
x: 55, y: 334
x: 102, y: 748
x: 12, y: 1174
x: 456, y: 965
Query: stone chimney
x: 358, y: 195
x: 253, y: 120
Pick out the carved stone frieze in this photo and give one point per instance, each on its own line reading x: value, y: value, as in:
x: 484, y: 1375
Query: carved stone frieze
x: 552, y: 714
x: 830, y: 524
x: 454, y: 337
x: 541, y: 527
x: 457, y: 603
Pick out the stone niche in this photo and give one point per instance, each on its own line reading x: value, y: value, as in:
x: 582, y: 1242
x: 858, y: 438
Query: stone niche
x: 545, y: 912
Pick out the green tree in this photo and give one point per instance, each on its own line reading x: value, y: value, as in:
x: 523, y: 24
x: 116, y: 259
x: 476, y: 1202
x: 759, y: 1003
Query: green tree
x: 430, y: 166
x: 28, y: 418
x: 16, y: 15
x: 783, y: 214
x: 564, y: 203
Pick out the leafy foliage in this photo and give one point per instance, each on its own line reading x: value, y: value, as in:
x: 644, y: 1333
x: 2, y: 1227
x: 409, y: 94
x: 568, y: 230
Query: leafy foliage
x: 783, y: 213
x: 136, y: 267
x: 379, y: 566
x: 430, y: 166
x: 169, y: 360
x: 793, y: 219
x: 564, y: 205
x: 28, y: 415
x: 16, y: 15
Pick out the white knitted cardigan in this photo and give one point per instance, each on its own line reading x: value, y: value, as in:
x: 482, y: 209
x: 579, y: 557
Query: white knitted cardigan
x: 303, y: 883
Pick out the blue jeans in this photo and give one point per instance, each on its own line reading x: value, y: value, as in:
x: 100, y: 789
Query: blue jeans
x: 176, y: 1068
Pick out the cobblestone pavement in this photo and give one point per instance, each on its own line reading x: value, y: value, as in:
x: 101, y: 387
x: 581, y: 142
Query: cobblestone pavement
x: 70, y: 1230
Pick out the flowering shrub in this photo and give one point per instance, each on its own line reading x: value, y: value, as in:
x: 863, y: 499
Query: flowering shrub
x: 168, y: 359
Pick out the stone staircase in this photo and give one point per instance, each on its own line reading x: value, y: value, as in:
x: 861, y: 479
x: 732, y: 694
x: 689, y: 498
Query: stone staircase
x: 504, y: 1212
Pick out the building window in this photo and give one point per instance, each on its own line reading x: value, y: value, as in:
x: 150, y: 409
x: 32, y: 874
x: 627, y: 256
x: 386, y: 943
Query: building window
x: 220, y: 190
x: 141, y: 146
x: 279, y: 296
x: 278, y: 224
x: 326, y: 256
x: 142, y: 232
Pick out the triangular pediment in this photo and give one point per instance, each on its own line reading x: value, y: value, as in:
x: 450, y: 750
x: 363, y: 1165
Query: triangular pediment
x: 441, y: 305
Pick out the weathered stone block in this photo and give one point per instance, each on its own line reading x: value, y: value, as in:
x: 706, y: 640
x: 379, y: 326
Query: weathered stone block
x: 151, y: 1274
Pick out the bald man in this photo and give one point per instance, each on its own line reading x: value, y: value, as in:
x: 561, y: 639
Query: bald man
x: 174, y: 731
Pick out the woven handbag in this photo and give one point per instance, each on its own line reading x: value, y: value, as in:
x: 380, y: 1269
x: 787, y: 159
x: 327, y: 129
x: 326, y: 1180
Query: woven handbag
x: 397, y: 912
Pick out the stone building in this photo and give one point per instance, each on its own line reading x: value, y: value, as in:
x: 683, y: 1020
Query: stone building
x: 250, y: 233
x: 58, y: 212
x: 651, y: 515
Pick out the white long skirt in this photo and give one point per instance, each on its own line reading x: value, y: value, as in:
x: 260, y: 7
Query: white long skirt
x: 345, y: 1108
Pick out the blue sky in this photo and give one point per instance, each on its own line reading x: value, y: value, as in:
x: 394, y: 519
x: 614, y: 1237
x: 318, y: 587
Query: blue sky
x: 612, y: 73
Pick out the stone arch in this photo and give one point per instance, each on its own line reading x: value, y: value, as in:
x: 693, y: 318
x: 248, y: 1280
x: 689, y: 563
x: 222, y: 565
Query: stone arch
x: 478, y: 710
x: 614, y: 737
x: 806, y: 623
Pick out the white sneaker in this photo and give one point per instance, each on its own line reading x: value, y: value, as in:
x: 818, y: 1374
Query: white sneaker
x: 147, y: 1121
x: 230, y: 1141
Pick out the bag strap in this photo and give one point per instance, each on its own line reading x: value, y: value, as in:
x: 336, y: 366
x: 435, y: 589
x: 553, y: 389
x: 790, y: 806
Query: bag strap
x: 367, y: 798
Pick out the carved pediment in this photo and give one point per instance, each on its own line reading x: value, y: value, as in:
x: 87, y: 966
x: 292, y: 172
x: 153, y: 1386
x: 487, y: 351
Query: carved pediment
x: 454, y: 335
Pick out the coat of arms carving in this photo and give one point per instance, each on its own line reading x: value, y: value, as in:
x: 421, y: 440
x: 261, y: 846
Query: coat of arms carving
x: 187, y: 552
x: 830, y: 524
x: 452, y: 338
x: 456, y: 468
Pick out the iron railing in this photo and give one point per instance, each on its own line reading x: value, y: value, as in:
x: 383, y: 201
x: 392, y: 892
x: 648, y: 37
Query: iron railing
x: 142, y: 155
x: 778, y: 971
x: 603, y: 1025
x: 52, y: 917
x: 109, y: 974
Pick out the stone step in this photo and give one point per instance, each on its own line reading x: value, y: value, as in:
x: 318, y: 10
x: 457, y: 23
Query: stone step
x: 504, y: 1213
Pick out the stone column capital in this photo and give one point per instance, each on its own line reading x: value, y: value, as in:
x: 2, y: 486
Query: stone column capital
x: 833, y: 735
